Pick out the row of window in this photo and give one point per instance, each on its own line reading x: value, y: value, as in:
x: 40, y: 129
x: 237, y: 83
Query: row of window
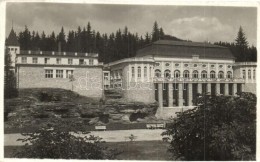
x: 249, y: 74
x: 139, y: 71
x: 58, y: 61
x: 195, y: 74
x: 167, y: 64
x: 49, y: 73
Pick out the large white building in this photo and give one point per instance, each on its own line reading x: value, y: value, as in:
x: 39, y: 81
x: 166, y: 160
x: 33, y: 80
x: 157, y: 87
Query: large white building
x: 174, y: 72
x: 169, y: 72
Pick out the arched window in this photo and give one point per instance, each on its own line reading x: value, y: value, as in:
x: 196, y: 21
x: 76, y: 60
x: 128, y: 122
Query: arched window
x: 229, y: 74
x: 186, y: 74
x: 139, y: 72
x: 133, y: 72
x: 195, y: 74
x: 158, y: 73
x: 212, y: 74
x: 249, y: 74
x: 167, y: 73
x: 253, y: 74
x: 145, y: 71
x: 221, y: 75
x: 176, y: 74
x: 204, y: 74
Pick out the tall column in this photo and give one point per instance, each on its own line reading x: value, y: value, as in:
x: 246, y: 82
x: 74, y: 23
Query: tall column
x: 199, y: 88
x: 180, y: 95
x: 242, y: 87
x: 226, y: 91
x: 217, y: 88
x: 209, y: 88
x: 234, y: 89
x: 160, y: 95
x: 170, y: 95
x: 190, y: 94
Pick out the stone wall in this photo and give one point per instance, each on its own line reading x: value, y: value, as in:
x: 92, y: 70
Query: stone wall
x: 88, y: 80
x: 250, y: 87
x: 137, y: 91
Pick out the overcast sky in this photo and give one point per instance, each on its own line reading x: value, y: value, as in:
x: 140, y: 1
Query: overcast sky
x: 185, y: 22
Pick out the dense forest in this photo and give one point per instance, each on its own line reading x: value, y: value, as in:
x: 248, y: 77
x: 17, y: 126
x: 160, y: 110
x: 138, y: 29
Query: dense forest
x: 118, y: 45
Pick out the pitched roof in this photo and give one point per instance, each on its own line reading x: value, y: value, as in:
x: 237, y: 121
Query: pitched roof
x: 185, y: 49
x: 12, y: 39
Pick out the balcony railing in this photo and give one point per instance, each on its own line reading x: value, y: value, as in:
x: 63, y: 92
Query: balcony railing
x: 162, y: 79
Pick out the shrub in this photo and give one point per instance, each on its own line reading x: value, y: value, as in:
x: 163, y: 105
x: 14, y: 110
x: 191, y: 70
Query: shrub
x: 220, y: 128
x: 135, y: 116
x: 57, y: 143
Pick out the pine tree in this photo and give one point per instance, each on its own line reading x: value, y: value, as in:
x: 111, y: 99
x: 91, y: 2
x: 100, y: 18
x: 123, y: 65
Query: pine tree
x: 156, y: 32
x: 10, y: 89
x: 242, y: 45
x: 61, y: 40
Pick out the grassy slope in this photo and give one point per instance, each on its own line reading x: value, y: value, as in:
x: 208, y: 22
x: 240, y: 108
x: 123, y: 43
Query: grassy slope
x: 141, y: 150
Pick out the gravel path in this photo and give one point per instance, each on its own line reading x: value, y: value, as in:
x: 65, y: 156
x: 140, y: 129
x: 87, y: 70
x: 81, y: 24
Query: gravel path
x: 108, y: 136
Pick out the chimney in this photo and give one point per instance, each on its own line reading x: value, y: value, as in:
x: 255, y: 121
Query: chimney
x: 59, y: 47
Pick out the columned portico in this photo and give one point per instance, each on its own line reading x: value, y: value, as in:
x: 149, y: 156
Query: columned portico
x: 209, y: 88
x: 190, y: 94
x: 234, y: 89
x: 170, y: 95
x: 199, y: 88
x: 160, y: 95
x: 226, y: 91
x: 217, y: 88
x: 180, y: 95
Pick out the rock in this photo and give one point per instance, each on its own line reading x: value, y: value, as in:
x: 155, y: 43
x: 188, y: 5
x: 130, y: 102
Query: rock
x: 125, y: 118
x: 140, y: 120
x: 127, y: 111
x: 116, y: 116
x: 93, y: 121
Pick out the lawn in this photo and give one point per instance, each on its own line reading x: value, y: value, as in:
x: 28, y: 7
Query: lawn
x: 137, y: 150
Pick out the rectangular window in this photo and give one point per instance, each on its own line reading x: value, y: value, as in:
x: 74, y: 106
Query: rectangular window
x: 81, y: 61
x: 24, y: 60
x: 105, y: 76
x: 58, y: 60
x: 249, y: 74
x: 70, y: 61
x: 48, y: 73
x: 133, y: 72
x: 91, y: 62
x: 253, y: 74
x: 46, y: 60
x: 59, y: 73
x: 69, y: 73
x: 35, y: 60
x: 244, y: 74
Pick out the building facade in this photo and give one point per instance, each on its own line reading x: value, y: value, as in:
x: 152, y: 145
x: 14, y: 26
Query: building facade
x: 169, y: 72
x: 79, y: 72
x: 174, y: 72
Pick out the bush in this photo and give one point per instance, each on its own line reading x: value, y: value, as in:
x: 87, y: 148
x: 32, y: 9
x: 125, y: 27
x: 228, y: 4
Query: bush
x: 220, y: 128
x: 48, y: 97
x: 57, y: 143
x: 135, y: 116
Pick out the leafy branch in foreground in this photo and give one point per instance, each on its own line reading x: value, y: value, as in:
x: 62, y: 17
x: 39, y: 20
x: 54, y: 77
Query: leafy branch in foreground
x: 220, y: 128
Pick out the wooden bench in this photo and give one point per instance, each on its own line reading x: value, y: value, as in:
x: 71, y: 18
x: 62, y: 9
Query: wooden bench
x: 155, y: 126
x: 100, y: 128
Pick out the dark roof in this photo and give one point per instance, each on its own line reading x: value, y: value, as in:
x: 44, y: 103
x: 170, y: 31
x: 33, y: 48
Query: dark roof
x: 185, y: 49
x: 12, y: 39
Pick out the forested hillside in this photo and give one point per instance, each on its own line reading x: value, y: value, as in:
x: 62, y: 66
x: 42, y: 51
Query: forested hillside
x: 117, y: 45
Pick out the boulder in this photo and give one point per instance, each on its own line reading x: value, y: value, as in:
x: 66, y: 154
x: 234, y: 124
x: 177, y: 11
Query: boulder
x: 93, y: 121
x: 125, y: 118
